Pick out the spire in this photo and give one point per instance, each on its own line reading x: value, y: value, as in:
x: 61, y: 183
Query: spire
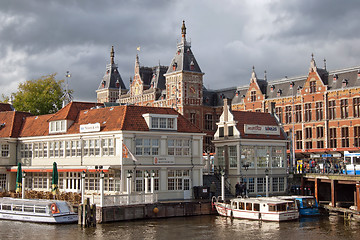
x: 324, y: 63
x: 183, y: 31
x: 312, y: 64
x: 253, y: 74
x: 112, y: 54
x: 137, y: 65
x: 265, y: 77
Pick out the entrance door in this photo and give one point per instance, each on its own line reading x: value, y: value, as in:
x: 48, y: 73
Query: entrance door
x: 187, y: 188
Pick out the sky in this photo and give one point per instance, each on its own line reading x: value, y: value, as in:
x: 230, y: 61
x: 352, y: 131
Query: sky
x: 228, y: 38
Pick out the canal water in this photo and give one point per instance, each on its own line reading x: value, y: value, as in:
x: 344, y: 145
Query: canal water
x: 199, y: 227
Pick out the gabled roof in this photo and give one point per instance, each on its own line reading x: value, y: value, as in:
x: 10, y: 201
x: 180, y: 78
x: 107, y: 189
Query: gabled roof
x: 11, y: 122
x: 127, y: 118
x: 71, y: 110
x: 256, y: 118
x: 184, y: 59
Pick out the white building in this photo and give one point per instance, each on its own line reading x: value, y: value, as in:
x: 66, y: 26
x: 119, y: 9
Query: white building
x: 121, y: 141
x: 250, y: 147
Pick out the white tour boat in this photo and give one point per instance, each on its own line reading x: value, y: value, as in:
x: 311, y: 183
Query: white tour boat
x: 37, y: 210
x: 266, y: 209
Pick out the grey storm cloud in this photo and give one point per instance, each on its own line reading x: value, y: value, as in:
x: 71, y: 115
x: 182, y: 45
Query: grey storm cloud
x: 41, y: 37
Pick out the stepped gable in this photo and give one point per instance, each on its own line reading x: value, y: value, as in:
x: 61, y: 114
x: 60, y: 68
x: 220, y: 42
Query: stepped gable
x: 11, y: 122
x: 5, y: 107
x: 112, y: 78
x: 71, y: 110
x: 184, y: 59
x: 256, y: 118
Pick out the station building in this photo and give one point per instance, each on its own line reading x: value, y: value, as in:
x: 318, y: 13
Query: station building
x: 120, y: 141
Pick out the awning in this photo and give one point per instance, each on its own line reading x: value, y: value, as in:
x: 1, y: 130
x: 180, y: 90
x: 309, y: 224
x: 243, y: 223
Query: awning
x: 60, y: 169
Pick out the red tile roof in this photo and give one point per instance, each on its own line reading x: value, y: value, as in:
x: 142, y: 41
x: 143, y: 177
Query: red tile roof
x: 256, y: 118
x: 11, y: 122
x: 71, y: 110
x: 5, y: 107
x: 115, y: 118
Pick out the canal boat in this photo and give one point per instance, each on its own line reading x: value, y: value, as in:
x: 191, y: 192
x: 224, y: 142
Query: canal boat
x: 307, y: 205
x: 36, y: 210
x: 265, y: 209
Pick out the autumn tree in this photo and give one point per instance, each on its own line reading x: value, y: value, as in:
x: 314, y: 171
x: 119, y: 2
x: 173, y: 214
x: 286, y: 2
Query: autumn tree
x: 39, y: 96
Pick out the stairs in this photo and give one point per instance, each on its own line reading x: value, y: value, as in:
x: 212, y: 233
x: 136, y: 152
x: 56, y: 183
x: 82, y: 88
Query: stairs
x: 208, y: 179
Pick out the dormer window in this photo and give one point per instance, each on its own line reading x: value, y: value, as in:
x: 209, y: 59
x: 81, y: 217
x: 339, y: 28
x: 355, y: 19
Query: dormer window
x: 299, y: 90
x: 292, y: 84
x: 161, y: 121
x: 117, y: 83
x: 272, y: 88
x: 174, y: 66
x: 57, y: 126
x: 344, y: 82
x: 279, y: 92
x: 103, y: 83
x: 358, y: 74
x: 192, y: 65
x: 335, y: 77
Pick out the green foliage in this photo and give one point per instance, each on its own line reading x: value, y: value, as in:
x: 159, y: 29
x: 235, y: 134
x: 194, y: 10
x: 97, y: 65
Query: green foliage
x: 39, y: 96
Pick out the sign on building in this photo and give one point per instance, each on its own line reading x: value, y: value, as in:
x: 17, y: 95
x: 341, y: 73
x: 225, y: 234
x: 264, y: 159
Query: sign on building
x: 261, y: 129
x: 95, y: 127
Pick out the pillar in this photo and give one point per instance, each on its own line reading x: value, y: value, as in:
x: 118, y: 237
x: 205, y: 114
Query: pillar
x: 333, y: 192
x: 357, y: 200
x: 317, y: 187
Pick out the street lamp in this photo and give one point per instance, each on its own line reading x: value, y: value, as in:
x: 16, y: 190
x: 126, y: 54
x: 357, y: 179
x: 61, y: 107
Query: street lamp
x: 83, y: 175
x: 246, y: 167
x: 222, y: 172
x: 129, y: 176
x: 146, y: 176
x: 267, y: 182
x: 23, y: 185
x: 152, y: 183
x: 102, y: 175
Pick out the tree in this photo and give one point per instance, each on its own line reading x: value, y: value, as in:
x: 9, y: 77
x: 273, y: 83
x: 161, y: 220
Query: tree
x: 39, y: 96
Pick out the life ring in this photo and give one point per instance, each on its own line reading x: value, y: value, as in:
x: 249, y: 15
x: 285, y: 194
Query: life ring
x: 54, y: 208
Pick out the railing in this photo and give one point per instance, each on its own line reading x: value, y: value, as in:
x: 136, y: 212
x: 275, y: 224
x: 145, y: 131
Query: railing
x: 124, y: 199
x: 217, y: 173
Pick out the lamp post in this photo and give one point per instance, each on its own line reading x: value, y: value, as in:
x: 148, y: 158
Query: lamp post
x: 267, y: 182
x: 246, y: 167
x: 23, y: 185
x: 146, y: 176
x: 102, y: 175
x: 222, y: 172
x: 152, y: 181
x: 83, y: 175
x: 129, y: 176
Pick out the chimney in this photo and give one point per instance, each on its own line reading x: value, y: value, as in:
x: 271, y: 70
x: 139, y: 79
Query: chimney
x: 227, y: 108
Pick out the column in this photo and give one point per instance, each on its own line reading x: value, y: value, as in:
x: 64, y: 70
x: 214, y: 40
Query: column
x: 333, y: 192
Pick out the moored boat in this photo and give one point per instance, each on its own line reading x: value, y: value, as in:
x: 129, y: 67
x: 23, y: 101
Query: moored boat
x: 265, y: 209
x: 37, y: 210
x: 307, y: 205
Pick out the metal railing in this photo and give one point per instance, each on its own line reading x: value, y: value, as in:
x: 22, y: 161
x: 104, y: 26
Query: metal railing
x: 124, y: 199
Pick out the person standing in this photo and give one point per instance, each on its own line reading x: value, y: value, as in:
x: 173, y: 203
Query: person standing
x: 212, y: 190
x: 237, y: 189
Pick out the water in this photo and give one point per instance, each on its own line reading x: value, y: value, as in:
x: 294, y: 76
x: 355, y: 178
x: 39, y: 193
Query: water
x: 201, y: 227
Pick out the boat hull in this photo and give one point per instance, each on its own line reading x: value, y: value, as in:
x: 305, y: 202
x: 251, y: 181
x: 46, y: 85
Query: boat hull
x: 225, y: 210
x: 65, y: 218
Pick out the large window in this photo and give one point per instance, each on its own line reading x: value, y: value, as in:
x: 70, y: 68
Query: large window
x: 162, y: 123
x: 261, y: 185
x: 26, y: 150
x: 179, y: 147
x: 248, y: 156
x: 356, y: 107
x: 193, y: 118
x: 288, y: 114
x: 344, y: 108
x: 92, y: 147
x: 277, y: 157
x: 344, y: 137
x: 251, y: 185
x: 332, y: 109
x: 220, y: 156
x: 208, y: 122
x: 298, y: 139
x: 253, y: 96
x: 107, y: 147
x: 4, y: 150
x: 320, y: 136
x: 147, y: 146
x: 357, y: 136
x: 332, y: 138
x: 307, y: 112
x: 278, y: 184
x: 279, y: 113
x: 175, y: 179
x: 262, y: 156
x: 312, y: 86
x: 233, y: 156
x: 2, y: 182
x: 319, y: 111
x: 298, y: 114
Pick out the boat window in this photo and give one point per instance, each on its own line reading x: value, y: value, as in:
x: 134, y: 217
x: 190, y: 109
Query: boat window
x: 249, y: 206
x: 256, y: 207
x: 309, y: 202
x: 40, y: 209
x: 6, y: 207
x: 272, y: 208
x: 17, y: 208
x: 241, y: 205
x: 281, y: 207
x: 298, y: 203
x: 291, y: 206
x: 28, y: 209
x: 234, y: 205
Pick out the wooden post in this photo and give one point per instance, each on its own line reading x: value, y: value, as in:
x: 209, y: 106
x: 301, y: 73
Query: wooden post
x: 333, y: 192
x: 357, y: 200
x: 317, y: 187
x: 302, y: 185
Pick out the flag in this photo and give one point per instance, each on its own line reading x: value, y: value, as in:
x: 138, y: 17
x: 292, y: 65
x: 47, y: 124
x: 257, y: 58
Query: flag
x: 55, y: 179
x: 138, y: 48
x: 127, y: 153
x: 19, y: 179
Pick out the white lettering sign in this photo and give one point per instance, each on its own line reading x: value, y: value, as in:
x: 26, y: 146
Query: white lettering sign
x: 261, y: 129
x: 90, y: 127
x: 164, y: 160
